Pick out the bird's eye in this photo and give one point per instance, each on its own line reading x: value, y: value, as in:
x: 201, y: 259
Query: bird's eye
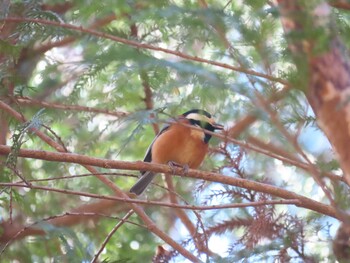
x: 195, y: 122
x: 200, y: 124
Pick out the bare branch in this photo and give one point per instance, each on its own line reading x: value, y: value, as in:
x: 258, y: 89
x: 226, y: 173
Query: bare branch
x: 33, y: 102
x: 115, y: 228
x: 138, y: 210
x: 15, y: 230
x: 156, y: 203
x: 145, y: 46
x: 144, y: 166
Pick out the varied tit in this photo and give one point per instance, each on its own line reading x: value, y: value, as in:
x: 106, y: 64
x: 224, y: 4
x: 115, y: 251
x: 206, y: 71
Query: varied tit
x: 179, y: 144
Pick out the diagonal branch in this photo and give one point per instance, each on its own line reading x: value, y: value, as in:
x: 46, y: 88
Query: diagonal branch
x: 327, y: 64
x: 291, y: 158
x: 115, y: 228
x: 155, y: 203
x: 249, y: 119
x: 118, y: 192
x: 33, y: 102
x: 9, y: 231
x: 148, y: 99
x: 96, y: 24
x: 142, y: 45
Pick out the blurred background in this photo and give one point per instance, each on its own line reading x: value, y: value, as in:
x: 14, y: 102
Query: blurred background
x: 76, y: 71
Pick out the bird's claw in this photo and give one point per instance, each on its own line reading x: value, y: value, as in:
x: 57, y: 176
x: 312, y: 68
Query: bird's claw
x: 173, y: 165
x: 185, y: 169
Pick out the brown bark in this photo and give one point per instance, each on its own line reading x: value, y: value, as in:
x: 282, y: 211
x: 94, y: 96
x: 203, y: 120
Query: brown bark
x: 328, y: 95
x: 328, y: 86
x: 196, y: 174
x: 341, y: 244
x: 327, y: 90
x: 117, y: 191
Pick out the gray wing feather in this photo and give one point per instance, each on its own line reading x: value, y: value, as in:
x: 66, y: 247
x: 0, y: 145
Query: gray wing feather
x: 146, y: 176
x: 148, y: 155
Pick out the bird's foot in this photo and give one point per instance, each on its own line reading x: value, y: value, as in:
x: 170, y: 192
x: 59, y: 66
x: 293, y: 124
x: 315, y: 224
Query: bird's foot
x: 185, y: 169
x: 173, y: 165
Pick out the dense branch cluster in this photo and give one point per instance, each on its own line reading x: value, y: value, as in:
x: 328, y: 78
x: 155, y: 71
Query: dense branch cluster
x: 82, y: 85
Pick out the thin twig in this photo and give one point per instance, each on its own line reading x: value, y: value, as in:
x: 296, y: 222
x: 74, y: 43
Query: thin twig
x: 213, y: 177
x: 249, y: 119
x: 274, y: 149
x: 55, y: 217
x: 313, y: 169
x: 115, y: 228
x: 58, y: 138
x: 295, y: 201
x: 142, y: 45
x: 181, y: 214
x: 78, y: 176
x: 52, y: 105
x: 118, y: 192
x: 96, y: 24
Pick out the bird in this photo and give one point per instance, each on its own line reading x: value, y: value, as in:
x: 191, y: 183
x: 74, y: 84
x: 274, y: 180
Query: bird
x: 178, y: 144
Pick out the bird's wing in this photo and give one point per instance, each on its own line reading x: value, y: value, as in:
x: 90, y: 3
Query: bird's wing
x: 146, y: 176
x: 148, y: 156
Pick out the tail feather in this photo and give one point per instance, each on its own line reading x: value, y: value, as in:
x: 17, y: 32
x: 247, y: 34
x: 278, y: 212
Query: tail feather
x: 142, y: 183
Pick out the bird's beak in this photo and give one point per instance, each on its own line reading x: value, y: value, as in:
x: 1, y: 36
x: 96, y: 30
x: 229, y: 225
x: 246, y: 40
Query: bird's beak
x: 217, y: 126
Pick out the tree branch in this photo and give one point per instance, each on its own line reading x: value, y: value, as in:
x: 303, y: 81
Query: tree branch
x: 292, y: 158
x: 328, y: 72
x: 196, y: 174
x: 138, y: 210
x: 76, y: 216
x: 249, y: 119
x: 115, y: 228
x: 33, y: 102
x: 141, y: 45
x: 154, y: 203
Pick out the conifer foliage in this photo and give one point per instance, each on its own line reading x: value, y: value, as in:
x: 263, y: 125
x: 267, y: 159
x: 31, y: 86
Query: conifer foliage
x: 86, y: 85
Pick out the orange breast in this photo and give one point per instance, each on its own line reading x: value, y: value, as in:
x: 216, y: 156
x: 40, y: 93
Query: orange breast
x: 180, y: 144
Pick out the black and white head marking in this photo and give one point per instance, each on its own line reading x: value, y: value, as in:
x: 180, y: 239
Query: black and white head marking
x: 204, y: 120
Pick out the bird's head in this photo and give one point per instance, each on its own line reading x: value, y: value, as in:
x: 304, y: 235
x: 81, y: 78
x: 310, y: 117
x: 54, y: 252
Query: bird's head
x: 202, y: 119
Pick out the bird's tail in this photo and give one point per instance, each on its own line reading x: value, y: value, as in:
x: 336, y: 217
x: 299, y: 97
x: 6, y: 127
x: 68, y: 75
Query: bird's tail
x: 142, y: 183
